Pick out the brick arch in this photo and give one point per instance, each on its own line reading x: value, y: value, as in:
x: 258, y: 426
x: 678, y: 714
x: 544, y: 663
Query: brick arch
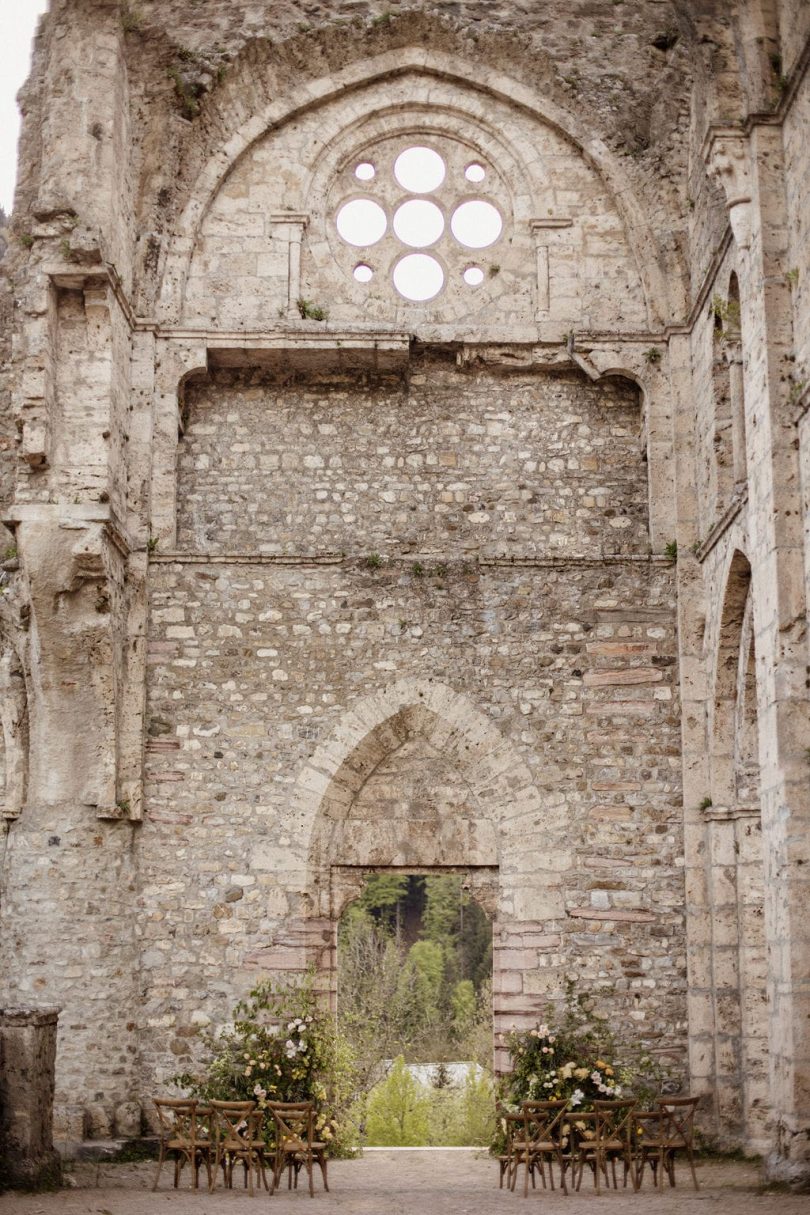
x: 662, y: 298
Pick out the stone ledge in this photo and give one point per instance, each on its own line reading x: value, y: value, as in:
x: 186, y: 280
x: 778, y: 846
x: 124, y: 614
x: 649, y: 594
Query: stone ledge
x: 627, y: 917
x: 29, y: 1016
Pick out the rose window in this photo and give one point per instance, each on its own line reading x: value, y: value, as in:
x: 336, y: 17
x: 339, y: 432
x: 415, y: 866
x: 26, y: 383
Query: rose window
x: 424, y: 217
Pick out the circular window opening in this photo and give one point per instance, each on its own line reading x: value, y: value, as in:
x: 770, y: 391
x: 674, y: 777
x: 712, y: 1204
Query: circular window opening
x: 363, y: 273
x: 418, y: 277
x: 475, y: 172
x: 365, y: 171
x: 361, y: 222
x: 418, y: 223
x: 476, y: 224
x: 473, y: 276
x: 419, y: 169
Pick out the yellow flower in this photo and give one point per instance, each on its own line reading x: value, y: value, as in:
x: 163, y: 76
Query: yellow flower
x: 600, y: 1063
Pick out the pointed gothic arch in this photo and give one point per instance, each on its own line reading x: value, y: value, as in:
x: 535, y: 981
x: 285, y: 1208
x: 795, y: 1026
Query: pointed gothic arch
x: 662, y: 297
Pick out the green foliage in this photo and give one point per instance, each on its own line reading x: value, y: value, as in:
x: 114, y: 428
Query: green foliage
x: 311, y: 312
x: 414, y: 964
x: 10, y: 553
x: 382, y: 897
x: 373, y: 561
x: 652, y: 356
x: 398, y: 1110
x: 26, y: 240
x: 401, y: 1112
x: 792, y: 277
x: 131, y: 20
x: 463, y: 1005
x: 726, y: 311
x: 152, y: 543
x: 671, y: 550
x: 417, y: 569
x: 705, y: 803
x: 463, y: 1117
x: 574, y: 1056
x: 372, y: 1003
x: 187, y: 92
x: 422, y: 976
x: 283, y: 1046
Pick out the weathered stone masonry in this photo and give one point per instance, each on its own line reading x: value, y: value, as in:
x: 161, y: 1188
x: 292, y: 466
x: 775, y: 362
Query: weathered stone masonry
x: 286, y: 599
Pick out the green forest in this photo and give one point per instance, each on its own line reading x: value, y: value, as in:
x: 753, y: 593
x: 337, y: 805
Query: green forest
x: 414, y: 980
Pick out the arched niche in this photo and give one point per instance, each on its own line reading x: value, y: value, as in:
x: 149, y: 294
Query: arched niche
x: 734, y: 696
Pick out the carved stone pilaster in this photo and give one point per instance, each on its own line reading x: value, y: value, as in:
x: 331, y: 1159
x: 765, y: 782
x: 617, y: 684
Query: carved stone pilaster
x: 726, y: 153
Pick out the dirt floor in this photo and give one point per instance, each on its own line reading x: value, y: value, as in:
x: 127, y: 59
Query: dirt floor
x: 403, y: 1182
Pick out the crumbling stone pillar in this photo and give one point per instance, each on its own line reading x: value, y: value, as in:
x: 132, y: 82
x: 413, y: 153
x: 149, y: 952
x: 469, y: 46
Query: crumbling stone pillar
x: 27, y: 1057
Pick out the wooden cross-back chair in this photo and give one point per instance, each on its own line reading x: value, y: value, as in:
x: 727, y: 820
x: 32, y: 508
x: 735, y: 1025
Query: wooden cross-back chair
x: 237, y: 1134
x: 541, y: 1141
x: 612, y: 1139
x: 184, y: 1135
x: 672, y: 1131
x: 295, y: 1143
x: 513, y: 1126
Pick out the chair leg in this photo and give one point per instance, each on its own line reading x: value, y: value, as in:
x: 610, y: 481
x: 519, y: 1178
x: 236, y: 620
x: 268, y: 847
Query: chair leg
x: 161, y: 1158
x: 691, y: 1160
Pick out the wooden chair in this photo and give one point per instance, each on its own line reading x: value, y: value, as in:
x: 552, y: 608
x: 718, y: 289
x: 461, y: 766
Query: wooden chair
x: 612, y: 1139
x: 295, y: 1144
x: 672, y: 1130
x: 238, y: 1139
x: 541, y: 1140
x: 512, y: 1125
x: 183, y: 1134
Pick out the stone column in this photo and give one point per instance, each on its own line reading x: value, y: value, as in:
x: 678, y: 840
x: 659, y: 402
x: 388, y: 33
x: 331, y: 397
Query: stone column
x: 703, y: 1064
x: 751, y: 171
x: 27, y: 1057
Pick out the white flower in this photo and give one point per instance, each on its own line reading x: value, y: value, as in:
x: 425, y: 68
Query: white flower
x: 596, y: 1077
x: 577, y: 1096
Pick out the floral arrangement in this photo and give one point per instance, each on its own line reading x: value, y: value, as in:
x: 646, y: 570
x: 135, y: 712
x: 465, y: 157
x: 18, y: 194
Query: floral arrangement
x: 283, y: 1045
x: 549, y: 1066
x: 573, y: 1056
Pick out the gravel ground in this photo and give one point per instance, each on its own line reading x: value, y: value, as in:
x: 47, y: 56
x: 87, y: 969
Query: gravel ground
x: 403, y: 1182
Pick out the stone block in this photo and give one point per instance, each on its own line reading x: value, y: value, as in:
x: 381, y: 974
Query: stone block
x: 27, y: 1057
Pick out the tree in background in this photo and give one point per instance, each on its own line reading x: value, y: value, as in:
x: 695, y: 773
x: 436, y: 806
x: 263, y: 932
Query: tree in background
x: 398, y: 1110
x: 414, y: 960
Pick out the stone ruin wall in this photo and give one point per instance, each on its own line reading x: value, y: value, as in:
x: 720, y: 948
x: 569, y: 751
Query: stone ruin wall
x: 178, y: 174
x: 411, y: 582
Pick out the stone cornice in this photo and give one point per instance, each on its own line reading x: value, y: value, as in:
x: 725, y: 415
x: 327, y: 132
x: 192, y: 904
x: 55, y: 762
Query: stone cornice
x: 333, y: 558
